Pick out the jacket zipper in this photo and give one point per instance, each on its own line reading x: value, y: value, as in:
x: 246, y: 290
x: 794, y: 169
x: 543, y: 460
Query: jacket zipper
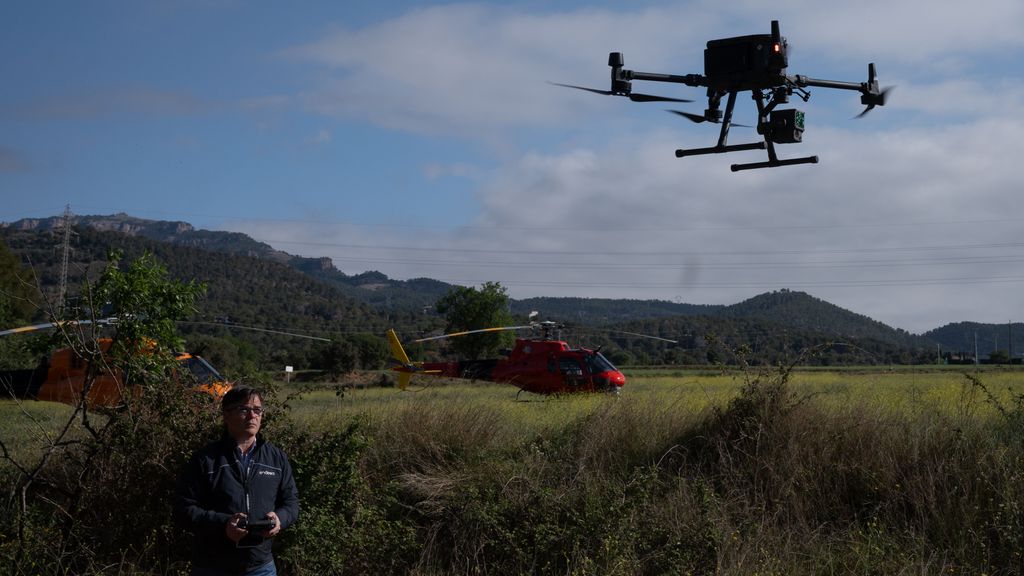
x: 245, y: 484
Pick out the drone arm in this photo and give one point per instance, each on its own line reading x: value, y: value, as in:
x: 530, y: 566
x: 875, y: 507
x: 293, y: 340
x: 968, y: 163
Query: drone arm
x: 804, y: 81
x: 870, y: 93
x: 687, y: 79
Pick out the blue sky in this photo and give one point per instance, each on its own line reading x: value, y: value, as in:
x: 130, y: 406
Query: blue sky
x: 423, y: 139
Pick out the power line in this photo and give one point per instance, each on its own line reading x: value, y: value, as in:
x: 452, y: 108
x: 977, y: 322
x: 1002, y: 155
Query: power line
x: 605, y: 229
x: 759, y: 284
x: 936, y: 248
x: 569, y: 228
x: 564, y: 265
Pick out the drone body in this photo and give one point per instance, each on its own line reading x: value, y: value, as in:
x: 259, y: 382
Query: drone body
x: 755, y: 63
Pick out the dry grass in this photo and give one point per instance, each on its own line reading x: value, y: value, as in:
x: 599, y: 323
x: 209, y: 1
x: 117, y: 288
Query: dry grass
x: 811, y: 472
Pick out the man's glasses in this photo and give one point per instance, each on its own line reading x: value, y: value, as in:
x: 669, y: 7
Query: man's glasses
x: 246, y: 410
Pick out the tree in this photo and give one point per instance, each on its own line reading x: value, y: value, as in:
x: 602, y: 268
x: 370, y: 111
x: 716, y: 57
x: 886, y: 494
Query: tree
x: 18, y: 296
x: 338, y: 358
x: 471, y: 309
x: 18, y: 301
x: 999, y: 357
x: 372, y: 350
x: 68, y: 507
x: 358, y: 351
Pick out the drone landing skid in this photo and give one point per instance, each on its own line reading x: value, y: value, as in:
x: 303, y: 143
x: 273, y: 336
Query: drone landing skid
x: 774, y: 163
x: 721, y: 149
x: 771, y: 163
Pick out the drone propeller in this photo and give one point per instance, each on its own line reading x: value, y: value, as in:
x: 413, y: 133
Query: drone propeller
x: 697, y: 118
x: 876, y: 100
x: 632, y: 96
x: 872, y: 95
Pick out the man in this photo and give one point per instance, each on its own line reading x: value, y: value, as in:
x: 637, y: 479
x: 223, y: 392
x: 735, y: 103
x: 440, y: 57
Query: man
x: 230, y: 483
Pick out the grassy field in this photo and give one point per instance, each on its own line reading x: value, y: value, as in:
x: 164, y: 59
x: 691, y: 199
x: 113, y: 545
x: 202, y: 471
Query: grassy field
x: 929, y: 389
x: 851, y: 471
x: 26, y: 426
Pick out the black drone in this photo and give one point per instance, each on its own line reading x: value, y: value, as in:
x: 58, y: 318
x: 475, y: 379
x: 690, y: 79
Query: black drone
x: 731, y: 65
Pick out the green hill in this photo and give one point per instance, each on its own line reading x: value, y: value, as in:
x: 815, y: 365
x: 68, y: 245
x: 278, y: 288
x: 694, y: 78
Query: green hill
x: 799, y: 310
x: 371, y: 288
x: 253, y: 283
x: 242, y: 290
x: 596, y: 311
x: 962, y: 339
x: 774, y: 326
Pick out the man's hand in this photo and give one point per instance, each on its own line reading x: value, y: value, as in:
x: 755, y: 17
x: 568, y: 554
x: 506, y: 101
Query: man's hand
x: 277, y: 525
x: 233, y: 531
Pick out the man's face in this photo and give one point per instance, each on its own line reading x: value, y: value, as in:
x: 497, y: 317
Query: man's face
x: 243, y: 420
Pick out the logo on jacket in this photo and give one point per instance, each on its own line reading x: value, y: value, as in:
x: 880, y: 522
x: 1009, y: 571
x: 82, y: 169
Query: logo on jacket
x: 266, y: 473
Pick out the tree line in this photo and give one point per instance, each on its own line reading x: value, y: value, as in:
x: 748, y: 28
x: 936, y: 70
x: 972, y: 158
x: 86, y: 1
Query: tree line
x: 244, y: 291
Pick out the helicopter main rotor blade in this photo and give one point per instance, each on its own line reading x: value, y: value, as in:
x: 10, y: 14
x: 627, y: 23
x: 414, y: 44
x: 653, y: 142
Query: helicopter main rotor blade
x: 632, y: 96
x: 47, y: 325
x: 479, y: 331
x: 256, y: 329
x: 646, y: 336
x: 697, y: 118
x: 32, y: 328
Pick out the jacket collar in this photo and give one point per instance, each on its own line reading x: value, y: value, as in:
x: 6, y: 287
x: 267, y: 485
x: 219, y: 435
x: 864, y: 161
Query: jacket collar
x: 230, y: 444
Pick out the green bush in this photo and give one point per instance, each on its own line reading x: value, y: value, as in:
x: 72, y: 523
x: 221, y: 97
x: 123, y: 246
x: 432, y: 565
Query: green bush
x: 345, y: 526
x: 770, y: 483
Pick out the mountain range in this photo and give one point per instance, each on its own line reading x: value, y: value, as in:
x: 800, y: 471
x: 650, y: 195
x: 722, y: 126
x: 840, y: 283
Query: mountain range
x: 311, y: 293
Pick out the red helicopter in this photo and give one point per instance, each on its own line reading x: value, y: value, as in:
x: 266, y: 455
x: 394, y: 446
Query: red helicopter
x: 543, y: 365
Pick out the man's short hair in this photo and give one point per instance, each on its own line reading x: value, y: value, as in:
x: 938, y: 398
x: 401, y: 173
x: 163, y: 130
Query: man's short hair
x: 238, y: 395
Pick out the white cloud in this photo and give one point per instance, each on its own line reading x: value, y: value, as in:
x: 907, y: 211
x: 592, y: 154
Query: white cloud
x: 904, y: 30
x: 910, y: 215
x: 462, y: 68
x: 469, y: 69
x: 959, y: 97
x: 898, y: 225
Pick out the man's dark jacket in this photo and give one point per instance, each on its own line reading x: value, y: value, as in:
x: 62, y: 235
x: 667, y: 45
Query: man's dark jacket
x: 213, y: 487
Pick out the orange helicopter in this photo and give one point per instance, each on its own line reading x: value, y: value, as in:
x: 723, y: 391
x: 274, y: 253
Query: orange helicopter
x: 545, y: 365
x: 61, y: 377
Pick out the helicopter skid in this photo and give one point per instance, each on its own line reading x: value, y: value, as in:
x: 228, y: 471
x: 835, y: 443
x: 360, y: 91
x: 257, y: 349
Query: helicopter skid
x: 775, y: 163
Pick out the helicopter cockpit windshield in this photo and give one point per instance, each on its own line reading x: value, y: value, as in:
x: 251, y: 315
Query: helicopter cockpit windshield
x: 597, y: 364
x: 202, y: 371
